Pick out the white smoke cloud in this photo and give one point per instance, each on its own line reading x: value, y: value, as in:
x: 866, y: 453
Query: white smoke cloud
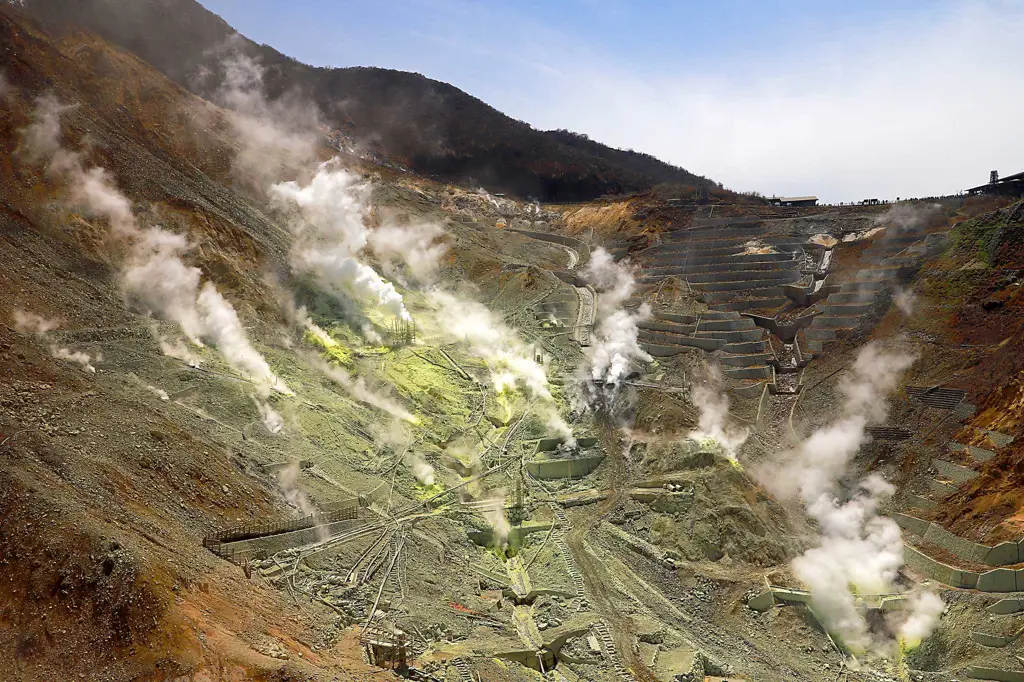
x: 714, y: 426
x: 158, y: 392
x: 330, y: 231
x: 288, y: 480
x: 905, y: 299
x: 27, y: 322
x: 925, y: 610
x: 155, y: 275
x: 274, y: 138
x: 83, y: 359
x: 92, y: 188
x: 908, y: 215
x: 417, y: 245
x: 177, y: 349
x: 614, y: 347
x: 270, y: 417
x: 509, y: 359
x: 162, y: 283
x: 494, y: 514
x: 421, y: 469
x: 358, y: 389
x: 860, y: 551
x: 222, y: 326
x: 301, y: 318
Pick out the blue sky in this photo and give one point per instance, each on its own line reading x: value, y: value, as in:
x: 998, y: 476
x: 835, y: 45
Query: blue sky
x: 843, y: 100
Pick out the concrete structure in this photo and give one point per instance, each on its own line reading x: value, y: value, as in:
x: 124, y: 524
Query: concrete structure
x: 796, y: 201
x: 1010, y: 186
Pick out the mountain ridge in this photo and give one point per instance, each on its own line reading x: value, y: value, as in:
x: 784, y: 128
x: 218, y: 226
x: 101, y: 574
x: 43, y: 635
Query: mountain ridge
x: 432, y: 127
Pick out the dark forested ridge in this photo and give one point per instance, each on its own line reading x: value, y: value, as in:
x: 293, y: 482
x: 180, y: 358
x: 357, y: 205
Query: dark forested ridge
x: 432, y: 127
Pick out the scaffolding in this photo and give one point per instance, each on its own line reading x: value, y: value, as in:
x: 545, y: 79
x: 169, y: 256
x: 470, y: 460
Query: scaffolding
x: 402, y: 331
x: 386, y: 647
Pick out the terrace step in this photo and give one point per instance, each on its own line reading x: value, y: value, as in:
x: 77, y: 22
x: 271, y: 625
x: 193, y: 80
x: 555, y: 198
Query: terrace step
x: 686, y: 269
x: 844, y: 309
x: 744, y: 285
x: 734, y: 337
x: 747, y: 360
x: 954, y: 472
x: 753, y: 372
x: 940, y: 490
x: 744, y: 347
x: 752, y: 304
x: 850, y: 298
x: 937, y: 396
x: 834, y: 322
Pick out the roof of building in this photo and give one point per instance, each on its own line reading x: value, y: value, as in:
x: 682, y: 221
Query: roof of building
x: 1016, y: 177
x: 796, y: 198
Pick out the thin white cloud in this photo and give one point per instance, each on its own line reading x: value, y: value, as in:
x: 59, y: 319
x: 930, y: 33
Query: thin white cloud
x: 907, y: 111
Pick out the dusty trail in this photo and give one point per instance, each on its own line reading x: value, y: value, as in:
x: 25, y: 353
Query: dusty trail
x: 591, y: 567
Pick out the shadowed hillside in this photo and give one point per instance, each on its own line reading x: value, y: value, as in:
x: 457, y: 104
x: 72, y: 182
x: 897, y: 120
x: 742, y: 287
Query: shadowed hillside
x: 429, y: 126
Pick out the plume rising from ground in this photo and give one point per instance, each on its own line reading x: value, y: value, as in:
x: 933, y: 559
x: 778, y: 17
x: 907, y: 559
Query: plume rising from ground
x: 714, y: 427
x: 860, y: 550
x: 614, y: 347
x: 330, y: 231
x: 359, y: 390
x: 155, y: 275
x: 510, y: 360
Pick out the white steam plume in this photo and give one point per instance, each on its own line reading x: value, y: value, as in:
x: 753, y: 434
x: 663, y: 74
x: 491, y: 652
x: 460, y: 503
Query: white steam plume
x: 359, y: 390
x: 494, y: 514
x: 177, y: 349
x: 288, y: 480
x: 155, y: 275
x: 859, y: 550
x: 30, y: 323
x: 222, y: 326
x: 270, y: 417
x: 421, y: 468
x: 93, y: 187
x: 417, y: 245
x: 302, y: 318
x: 906, y: 215
x: 84, y: 359
x: 158, y: 392
x: 329, y: 234
x: 905, y: 299
x: 713, y: 426
x: 274, y: 137
x: 509, y: 359
x: 614, y: 348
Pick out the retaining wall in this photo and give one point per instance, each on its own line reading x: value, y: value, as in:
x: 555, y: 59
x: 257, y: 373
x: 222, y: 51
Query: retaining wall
x: 980, y: 673
x: 568, y: 467
x: 954, y: 472
x: 581, y: 247
x: 1003, y: 554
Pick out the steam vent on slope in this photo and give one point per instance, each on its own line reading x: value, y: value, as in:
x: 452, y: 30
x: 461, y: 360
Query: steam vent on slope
x: 287, y: 395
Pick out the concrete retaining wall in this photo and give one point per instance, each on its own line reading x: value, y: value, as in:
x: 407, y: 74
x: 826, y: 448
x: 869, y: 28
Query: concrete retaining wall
x: 954, y: 472
x: 750, y: 360
x: 283, y: 541
x: 753, y: 303
x: 979, y: 673
x: 581, y: 247
x: 569, y: 467
x: 947, y: 575
x: 734, y: 337
x: 670, y: 340
x: 714, y: 297
x: 747, y: 372
x: 786, y: 331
